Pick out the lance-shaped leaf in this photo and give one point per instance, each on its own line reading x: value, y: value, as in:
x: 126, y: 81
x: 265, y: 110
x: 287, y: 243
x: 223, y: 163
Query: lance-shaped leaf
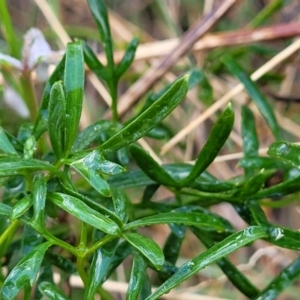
x: 93, y: 178
x: 186, y: 218
x: 127, y: 59
x: 5, y: 145
x: 223, y: 248
x: 149, y: 118
x: 25, y: 271
x: 262, y: 163
x: 29, y: 147
x: 84, y: 213
x: 147, y: 247
x: 93, y: 62
x: 237, y: 278
x: 286, y: 277
x: 99, y: 12
x: 39, y: 200
x: 137, y: 275
x: 120, y: 200
x: 5, y: 210
x: 249, y: 135
x: 21, y: 207
x: 41, y: 123
x: 13, y: 166
x: 57, y: 119
x: 287, y: 152
x: 214, y: 144
x: 151, y: 167
x: 74, y: 85
x: 258, y: 98
x: 90, y: 134
x: 99, y: 268
x: 51, y: 291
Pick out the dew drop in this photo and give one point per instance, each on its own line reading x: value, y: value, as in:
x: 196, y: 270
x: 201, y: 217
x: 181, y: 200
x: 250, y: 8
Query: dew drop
x: 283, y: 149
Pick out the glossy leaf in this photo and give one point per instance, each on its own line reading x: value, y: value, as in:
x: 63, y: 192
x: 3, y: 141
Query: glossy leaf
x: 146, y: 287
x: 5, y: 144
x: 41, y: 123
x: 128, y: 57
x: 90, y: 134
x: 93, y: 178
x: 286, y: 277
x: 261, y: 163
x: 93, y: 62
x: 151, y: 167
x: 149, y: 118
x: 51, y: 291
x: 216, y: 140
x: 147, y: 247
x: 258, y: 98
x: 21, y: 207
x: 84, y: 213
x: 137, y: 275
x: 57, y: 119
x: 39, y: 200
x: 186, y: 218
x: 24, y: 272
x: 120, y: 200
x: 223, y: 248
x: 237, y: 278
x: 74, y: 85
x: 288, y: 152
x: 99, y: 268
x: 13, y: 166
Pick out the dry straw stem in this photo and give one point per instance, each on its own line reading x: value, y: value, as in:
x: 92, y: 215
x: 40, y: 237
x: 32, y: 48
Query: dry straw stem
x: 165, y: 63
x: 157, y: 49
x: 277, y: 59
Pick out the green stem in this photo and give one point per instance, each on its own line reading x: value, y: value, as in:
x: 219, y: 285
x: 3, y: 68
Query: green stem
x: 113, y: 88
x: 29, y: 95
x: 9, y: 232
x: 99, y: 244
x: 81, y: 271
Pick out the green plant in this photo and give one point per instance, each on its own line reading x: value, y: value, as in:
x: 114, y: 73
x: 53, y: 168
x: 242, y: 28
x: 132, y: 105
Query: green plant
x: 85, y: 176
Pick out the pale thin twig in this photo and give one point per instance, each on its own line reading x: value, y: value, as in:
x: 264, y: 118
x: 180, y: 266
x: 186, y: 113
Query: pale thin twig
x: 284, y: 54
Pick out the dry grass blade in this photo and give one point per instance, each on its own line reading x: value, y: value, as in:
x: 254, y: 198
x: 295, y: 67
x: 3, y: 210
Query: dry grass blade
x: 277, y: 59
x: 159, y: 69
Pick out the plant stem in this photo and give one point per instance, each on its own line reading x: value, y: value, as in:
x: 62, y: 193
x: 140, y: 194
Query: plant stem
x: 29, y: 95
x: 9, y: 232
x: 99, y: 244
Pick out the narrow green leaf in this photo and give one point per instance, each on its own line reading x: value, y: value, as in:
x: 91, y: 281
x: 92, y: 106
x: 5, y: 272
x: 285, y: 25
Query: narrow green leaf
x: 120, y: 200
x: 51, y: 291
x: 261, y: 163
x: 41, y: 123
x: 74, y: 85
x: 93, y: 62
x: 5, y: 210
x: 83, y: 212
x: 127, y: 59
x: 146, y: 287
x: 5, y: 144
x: 21, y: 207
x: 287, y: 152
x: 13, y: 166
x: 25, y: 271
x: 93, y: 178
x: 149, y: 118
x: 60, y: 262
x: 223, y: 248
x: 137, y: 275
x: 286, y: 277
x: 147, y: 247
x: 99, y: 268
x: 57, y: 119
x: 99, y: 13
x: 151, y: 167
x: 237, y: 278
x: 206, y: 93
x: 260, y: 101
x: 90, y: 134
x: 186, y: 218
x: 39, y: 199
x: 216, y: 140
